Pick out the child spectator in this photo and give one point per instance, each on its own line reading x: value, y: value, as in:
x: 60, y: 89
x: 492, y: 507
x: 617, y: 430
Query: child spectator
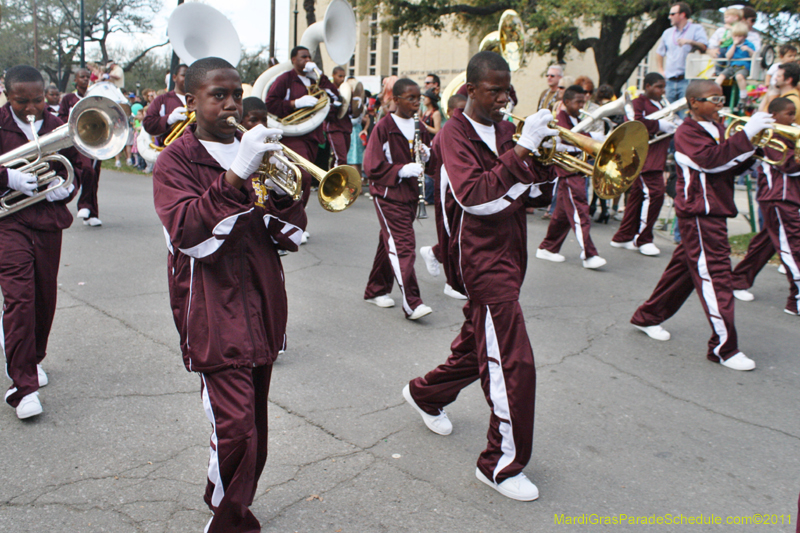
x: 738, y: 55
x: 723, y: 38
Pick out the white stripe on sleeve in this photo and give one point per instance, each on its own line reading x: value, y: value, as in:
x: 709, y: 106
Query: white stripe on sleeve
x: 212, y: 244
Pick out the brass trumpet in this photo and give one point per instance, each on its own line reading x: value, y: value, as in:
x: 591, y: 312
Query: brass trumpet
x: 338, y: 188
x: 176, y: 131
x: 618, y: 160
x: 766, y: 138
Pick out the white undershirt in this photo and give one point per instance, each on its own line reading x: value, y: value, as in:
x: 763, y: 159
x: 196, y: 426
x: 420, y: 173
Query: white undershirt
x: 711, y: 128
x: 486, y: 133
x: 182, y: 98
x: 223, y: 153
x: 305, y: 80
x: 406, y: 126
x: 25, y: 127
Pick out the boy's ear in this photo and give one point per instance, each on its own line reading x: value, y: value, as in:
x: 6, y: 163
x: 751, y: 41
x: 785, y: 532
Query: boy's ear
x: 190, y: 102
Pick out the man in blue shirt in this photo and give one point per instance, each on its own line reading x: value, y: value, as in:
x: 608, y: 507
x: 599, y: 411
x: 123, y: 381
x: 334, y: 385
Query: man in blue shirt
x: 676, y: 44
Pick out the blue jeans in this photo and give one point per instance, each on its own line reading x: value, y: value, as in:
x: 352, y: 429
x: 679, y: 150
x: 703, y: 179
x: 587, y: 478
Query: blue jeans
x: 676, y: 89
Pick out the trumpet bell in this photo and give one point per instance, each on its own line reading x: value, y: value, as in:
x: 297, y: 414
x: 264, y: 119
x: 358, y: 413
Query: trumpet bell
x: 339, y: 188
x: 620, y: 160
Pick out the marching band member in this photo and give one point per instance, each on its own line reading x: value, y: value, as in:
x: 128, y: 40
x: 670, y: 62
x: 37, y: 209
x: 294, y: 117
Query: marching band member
x: 53, y: 97
x: 226, y: 281
x: 572, y: 209
x: 167, y: 109
x: 394, y: 185
x: 88, y: 208
x: 707, y: 167
x: 338, y: 129
x: 30, y: 244
x: 288, y: 93
x: 646, y: 194
x: 488, y: 181
x: 254, y: 112
x: 779, y: 199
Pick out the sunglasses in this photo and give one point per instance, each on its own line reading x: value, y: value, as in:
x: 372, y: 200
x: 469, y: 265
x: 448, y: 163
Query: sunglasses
x: 552, y: 75
x: 716, y: 100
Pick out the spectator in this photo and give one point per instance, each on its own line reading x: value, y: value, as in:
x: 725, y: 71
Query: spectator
x: 738, y: 56
x: 675, y: 45
x: 723, y: 38
x: 115, y: 74
x: 749, y: 16
x: 356, y: 153
x: 585, y: 82
x: 433, y: 83
x: 786, y: 86
x: 551, y: 94
x: 786, y: 54
x: 387, y: 105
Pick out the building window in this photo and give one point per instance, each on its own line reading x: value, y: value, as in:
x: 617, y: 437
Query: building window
x: 395, y: 54
x: 395, y: 42
x: 373, y: 42
x: 371, y: 71
x: 352, y: 70
x: 394, y: 71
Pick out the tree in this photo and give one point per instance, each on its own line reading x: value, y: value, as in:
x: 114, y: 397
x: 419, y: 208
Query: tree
x: 559, y: 25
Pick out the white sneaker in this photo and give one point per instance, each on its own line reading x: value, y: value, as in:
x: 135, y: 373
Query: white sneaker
x: 789, y: 312
x: 439, y: 424
x: 654, y: 332
x: 744, y: 295
x: 94, y: 221
x: 541, y: 253
x: 83, y: 213
x: 594, y: 262
x: 452, y: 293
x: 305, y: 237
x: 430, y: 261
x: 649, y: 249
x: 628, y: 245
x: 782, y: 269
x: 118, y: 163
x: 42, y: 376
x: 518, y: 487
x: 383, y: 300
x: 619, y: 215
x: 739, y: 362
x: 29, y: 406
x: 421, y: 311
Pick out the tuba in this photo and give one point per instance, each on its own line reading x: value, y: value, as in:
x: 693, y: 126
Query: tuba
x: 97, y: 128
x: 613, y: 108
x: 338, y: 31
x: 618, y: 161
x: 508, y: 40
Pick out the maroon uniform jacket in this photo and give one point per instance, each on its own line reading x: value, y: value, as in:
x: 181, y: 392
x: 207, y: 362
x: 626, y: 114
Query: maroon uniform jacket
x: 782, y: 183
x: 43, y: 215
x: 387, y: 152
x: 565, y: 120
x: 657, y: 154
x: 155, y: 118
x: 707, y: 169
x: 225, y: 278
x: 333, y: 123
x: 68, y: 101
x: 288, y: 87
x: 485, y: 200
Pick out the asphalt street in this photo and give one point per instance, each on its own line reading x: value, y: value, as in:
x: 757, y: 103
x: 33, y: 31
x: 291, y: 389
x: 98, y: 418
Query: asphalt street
x: 624, y: 425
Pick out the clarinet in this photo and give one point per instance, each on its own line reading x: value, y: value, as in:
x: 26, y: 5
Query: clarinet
x: 422, y: 213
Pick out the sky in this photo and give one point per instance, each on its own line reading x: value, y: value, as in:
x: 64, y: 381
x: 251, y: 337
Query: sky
x: 249, y: 17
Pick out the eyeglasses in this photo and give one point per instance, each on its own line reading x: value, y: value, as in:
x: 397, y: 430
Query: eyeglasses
x: 552, y: 75
x: 428, y: 82
x: 560, y: 88
x: 675, y: 14
x: 716, y: 100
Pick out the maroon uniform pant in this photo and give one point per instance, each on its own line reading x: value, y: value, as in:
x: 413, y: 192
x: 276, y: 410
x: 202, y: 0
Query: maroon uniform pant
x: 700, y: 262
x: 782, y: 233
x: 571, y: 211
x: 29, y: 262
x: 235, y: 402
x: 645, y: 198
x: 493, y: 345
x: 394, y: 259
x: 305, y: 148
x: 340, y: 145
x: 90, y: 181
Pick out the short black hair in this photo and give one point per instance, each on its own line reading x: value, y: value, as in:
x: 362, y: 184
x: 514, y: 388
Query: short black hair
x: 52, y: 87
x: 23, y: 74
x: 779, y: 104
x: 175, y: 72
x: 481, y: 63
x: 791, y: 71
x: 253, y: 103
x: 572, y: 91
x: 696, y: 88
x: 401, y: 85
x: 196, y: 74
x: 338, y: 68
x: 436, y: 79
x: 652, y: 78
x: 455, y: 99
x: 296, y: 50
x: 604, y: 92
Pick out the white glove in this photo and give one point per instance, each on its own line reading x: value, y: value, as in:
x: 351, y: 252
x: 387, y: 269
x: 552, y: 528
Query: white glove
x: 759, y: 121
x: 309, y: 70
x: 56, y: 194
x: 560, y: 147
x: 178, y: 114
x: 305, y: 101
x: 410, y: 170
x: 667, y: 126
x: 252, y: 148
x: 22, y: 181
x: 425, y: 152
x: 536, y: 130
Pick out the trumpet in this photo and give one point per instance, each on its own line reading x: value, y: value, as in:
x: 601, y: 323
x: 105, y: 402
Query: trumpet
x: 618, y: 160
x: 176, y: 131
x: 338, y: 188
x: 97, y: 127
x: 766, y: 138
